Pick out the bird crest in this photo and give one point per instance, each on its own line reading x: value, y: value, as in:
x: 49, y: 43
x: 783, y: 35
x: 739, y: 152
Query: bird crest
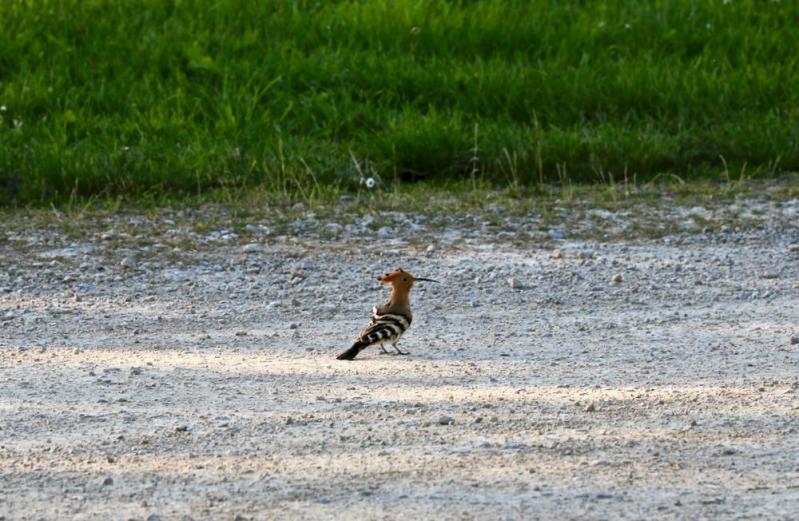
x: 401, y: 279
x: 388, y: 278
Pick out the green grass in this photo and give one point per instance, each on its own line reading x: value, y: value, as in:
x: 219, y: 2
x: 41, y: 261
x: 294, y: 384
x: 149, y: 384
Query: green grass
x: 183, y: 97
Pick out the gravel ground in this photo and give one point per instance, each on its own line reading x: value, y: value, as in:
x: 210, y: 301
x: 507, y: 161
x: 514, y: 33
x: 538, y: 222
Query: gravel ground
x: 177, y: 366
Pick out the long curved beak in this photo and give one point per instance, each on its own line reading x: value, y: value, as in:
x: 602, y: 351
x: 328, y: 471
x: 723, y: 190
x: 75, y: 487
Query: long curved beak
x: 420, y: 278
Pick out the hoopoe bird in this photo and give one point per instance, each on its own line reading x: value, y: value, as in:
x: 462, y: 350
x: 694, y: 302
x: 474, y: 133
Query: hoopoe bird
x: 390, y: 320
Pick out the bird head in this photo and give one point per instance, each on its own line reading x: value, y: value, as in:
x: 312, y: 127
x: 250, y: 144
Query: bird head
x: 401, y: 280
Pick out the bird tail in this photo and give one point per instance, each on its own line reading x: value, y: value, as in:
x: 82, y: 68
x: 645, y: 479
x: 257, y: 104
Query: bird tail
x: 352, y: 352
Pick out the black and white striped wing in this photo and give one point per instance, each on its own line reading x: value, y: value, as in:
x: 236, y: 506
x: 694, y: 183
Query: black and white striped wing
x: 384, y: 328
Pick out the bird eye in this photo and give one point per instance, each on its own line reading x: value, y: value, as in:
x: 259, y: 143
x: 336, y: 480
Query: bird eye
x: 404, y: 279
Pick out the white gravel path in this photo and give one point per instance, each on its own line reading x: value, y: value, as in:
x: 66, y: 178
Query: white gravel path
x: 620, y: 379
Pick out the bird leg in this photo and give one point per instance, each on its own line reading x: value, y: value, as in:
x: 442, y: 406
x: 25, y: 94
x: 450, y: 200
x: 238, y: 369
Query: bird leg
x: 383, y: 350
x: 399, y: 352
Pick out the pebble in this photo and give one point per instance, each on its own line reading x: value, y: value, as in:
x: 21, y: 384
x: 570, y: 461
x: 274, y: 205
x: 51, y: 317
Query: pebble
x: 557, y: 254
x: 153, y: 517
x: 794, y: 340
x: 334, y: 228
x: 793, y: 247
x: 771, y: 275
x: 108, y: 481
x: 617, y: 278
x: 445, y: 420
x: 128, y: 262
x: 590, y: 407
x: 514, y: 283
x: 8, y: 316
x: 252, y: 247
x: 385, y: 232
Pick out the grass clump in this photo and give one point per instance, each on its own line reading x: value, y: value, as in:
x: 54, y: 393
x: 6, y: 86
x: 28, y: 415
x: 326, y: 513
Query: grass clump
x: 187, y: 96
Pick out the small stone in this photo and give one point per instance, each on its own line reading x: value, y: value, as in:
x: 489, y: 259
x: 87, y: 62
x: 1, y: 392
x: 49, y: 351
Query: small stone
x: 557, y: 254
x: 590, y: 407
x: 385, y: 232
x: 8, y: 316
x: 617, y: 278
x: 794, y: 340
x: 771, y: 274
x: 346, y: 198
x: 445, y: 420
x: 241, y: 333
x: 514, y: 283
x: 128, y: 262
x: 153, y: 517
x: 334, y: 228
x: 182, y: 428
x: 108, y: 481
x: 793, y: 247
x: 252, y: 247
x: 294, y: 325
